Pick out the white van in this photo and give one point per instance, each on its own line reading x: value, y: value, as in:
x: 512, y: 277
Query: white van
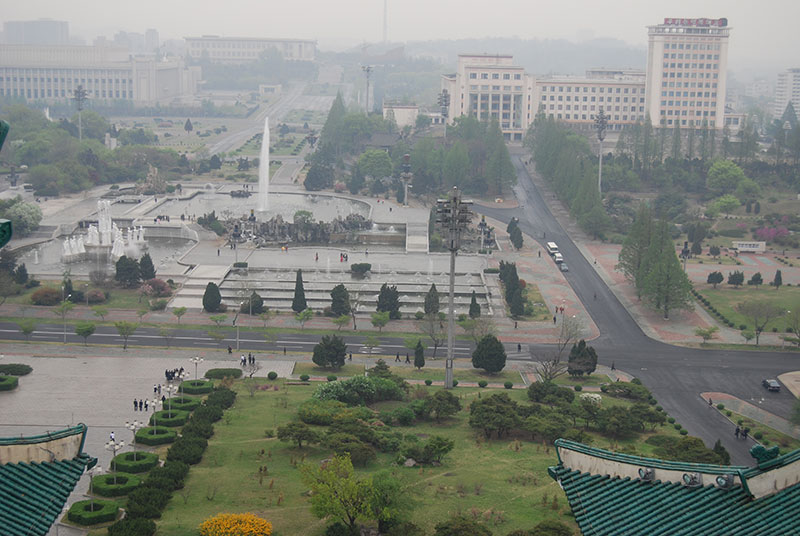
x: 558, y: 258
x: 552, y: 248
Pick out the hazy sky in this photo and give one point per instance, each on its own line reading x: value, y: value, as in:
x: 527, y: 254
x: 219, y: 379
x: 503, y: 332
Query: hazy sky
x: 764, y: 32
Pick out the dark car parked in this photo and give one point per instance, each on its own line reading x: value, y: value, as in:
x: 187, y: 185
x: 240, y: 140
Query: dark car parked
x: 771, y: 385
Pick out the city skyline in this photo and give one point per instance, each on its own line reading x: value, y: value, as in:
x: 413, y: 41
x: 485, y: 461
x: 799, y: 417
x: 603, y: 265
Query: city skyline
x: 764, y: 42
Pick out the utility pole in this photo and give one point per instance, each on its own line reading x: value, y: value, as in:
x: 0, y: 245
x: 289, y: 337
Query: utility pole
x: 453, y: 215
x: 367, y: 72
x: 444, y: 103
x: 406, y: 176
x: 80, y: 96
x: 600, y: 122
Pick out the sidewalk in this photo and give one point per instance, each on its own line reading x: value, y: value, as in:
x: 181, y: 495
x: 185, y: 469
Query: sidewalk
x: 753, y: 412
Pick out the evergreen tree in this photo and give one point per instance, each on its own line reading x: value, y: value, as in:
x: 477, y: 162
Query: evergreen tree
x: 187, y: 126
x: 254, y: 304
x: 475, y: 308
x: 419, y: 355
x: 778, y: 281
x: 666, y: 285
x: 715, y: 278
x: 634, y: 248
x: 516, y: 238
x: 212, y: 298
x: 736, y: 278
x: 489, y: 355
x: 389, y: 300
x: 582, y: 359
x: 127, y: 272
x: 756, y: 280
x: 431, y: 305
x: 676, y: 143
x: 299, y: 301
x: 330, y: 352
x: 332, y: 130
x: 146, y: 268
x: 517, y: 305
x: 513, y: 223
x: 21, y: 274
x: 340, y: 301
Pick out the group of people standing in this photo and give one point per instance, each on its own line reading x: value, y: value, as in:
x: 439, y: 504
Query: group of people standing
x: 248, y: 359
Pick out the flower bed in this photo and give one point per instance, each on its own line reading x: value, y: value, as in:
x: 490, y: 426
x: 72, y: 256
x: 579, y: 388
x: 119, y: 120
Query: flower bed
x: 155, y: 435
x: 196, y: 387
x: 183, y: 403
x: 126, y: 463
x: 115, y: 484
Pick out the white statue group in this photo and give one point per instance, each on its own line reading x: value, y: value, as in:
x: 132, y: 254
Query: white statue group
x: 103, y: 237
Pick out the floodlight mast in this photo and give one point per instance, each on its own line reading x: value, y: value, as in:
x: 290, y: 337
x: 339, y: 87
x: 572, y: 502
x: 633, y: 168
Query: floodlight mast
x: 453, y: 214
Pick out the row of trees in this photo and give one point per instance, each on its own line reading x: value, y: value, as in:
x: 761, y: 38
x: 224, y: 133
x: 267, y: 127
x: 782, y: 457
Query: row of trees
x: 649, y: 261
x: 24, y: 217
x: 512, y: 288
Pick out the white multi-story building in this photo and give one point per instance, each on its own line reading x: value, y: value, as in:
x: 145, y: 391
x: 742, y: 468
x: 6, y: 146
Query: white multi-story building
x: 787, y: 90
x: 245, y: 49
x: 403, y: 114
x: 620, y: 93
x: 687, y: 61
x: 52, y: 73
x: 490, y: 86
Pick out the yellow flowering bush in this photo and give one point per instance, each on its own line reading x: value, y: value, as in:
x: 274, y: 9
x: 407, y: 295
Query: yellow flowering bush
x: 235, y: 525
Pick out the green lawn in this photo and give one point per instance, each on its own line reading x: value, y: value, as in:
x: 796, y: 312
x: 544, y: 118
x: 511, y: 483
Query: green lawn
x: 506, y: 478
x: 541, y: 311
x: 725, y: 298
x: 594, y: 379
x: 120, y: 298
x: 460, y: 374
x: 312, y: 370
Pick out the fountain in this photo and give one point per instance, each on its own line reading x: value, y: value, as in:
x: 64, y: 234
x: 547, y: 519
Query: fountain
x: 263, y: 172
x: 104, y: 241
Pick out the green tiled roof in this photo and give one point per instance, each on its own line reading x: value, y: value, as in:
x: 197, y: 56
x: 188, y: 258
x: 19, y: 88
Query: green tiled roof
x: 610, y: 505
x: 32, y: 495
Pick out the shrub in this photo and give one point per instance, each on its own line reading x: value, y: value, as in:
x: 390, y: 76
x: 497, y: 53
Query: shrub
x: 720, y: 406
x: 428, y: 382
x: 46, y: 296
x: 482, y: 384
x: 683, y: 432
x: 319, y: 411
x: 304, y: 377
x: 200, y: 428
x: 742, y: 327
x: 183, y: 403
x: 227, y: 524
x: 508, y: 385
x: 404, y: 416
x: 272, y: 375
x: 147, y: 502
x: 132, y: 527
x: 92, y: 512
x: 455, y: 382
x: 125, y: 483
x: 728, y: 413
x: 491, y: 270
x: 220, y: 373
x: 125, y: 462
x: 196, y: 387
x: 579, y: 388
x: 677, y: 426
x: 331, y: 378
x: 15, y: 369
x: 240, y: 264
x: 96, y: 296
x: 419, y: 315
x: 158, y: 305
x: 7, y: 383
x: 169, y: 477
x: 155, y: 435
x: 221, y: 397
x: 207, y: 413
x: 758, y: 435
x: 173, y: 418
x: 187, y: 449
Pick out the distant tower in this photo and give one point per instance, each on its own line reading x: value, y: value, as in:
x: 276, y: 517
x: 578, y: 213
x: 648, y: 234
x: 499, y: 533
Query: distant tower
x: 385, y: 21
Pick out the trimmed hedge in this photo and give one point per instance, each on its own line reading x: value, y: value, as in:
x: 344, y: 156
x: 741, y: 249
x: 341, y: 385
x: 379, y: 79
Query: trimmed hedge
x: 7, y: 383
x: 508, y: 385
x: 104, y: 484
x: 92, y: 512
x: 15, y: 369
x: 132, y: 527
x: 169, y: 418
x: 169, y: 476
x: 304, y: 377
x: 126, y: 464
x: 219, y: 373
x: 147, y: 502
x: 196, y: 387
x: 155, y: 435
x: 482, y: 384
x: 222, y: 397
x: 198, y: 427
x: 272, y: 375
x: 187, y: 449
x: 184, y: 403
x: 210, y: 414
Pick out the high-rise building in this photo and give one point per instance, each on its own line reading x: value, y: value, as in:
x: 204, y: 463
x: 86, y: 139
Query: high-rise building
x: 687, y: 61
x: 490, y: 86
x: 786, y: 91
x: 36, y: 32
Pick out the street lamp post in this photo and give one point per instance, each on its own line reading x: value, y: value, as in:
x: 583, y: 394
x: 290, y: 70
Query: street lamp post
x: 235, y: 318
x: 406, y: 176
x: 156, y: 402
x: 601, y: 122
x: 134, y: 427
x: 64, y: 314
x: 196, y: 361
x: 170, y: 389
x: 114, y: 447
x: 453, y: 214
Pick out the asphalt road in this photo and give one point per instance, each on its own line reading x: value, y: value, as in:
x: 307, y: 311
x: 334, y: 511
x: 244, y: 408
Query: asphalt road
x: 675, y: 375
x: 198, y: 338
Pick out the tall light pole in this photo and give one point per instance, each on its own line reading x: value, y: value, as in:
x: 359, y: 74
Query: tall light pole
x: 196, y: 361
x: 79, y: 96
x: 235, y: 318
x: 453, y: 215
x: 155, y: 403
x: 114, y: 447
x: 64, y: 314
x: 170, y: 389
x: 444, y: 104
x: 406, y: 176
x: 367, y: 72
x: 134, y: 427
x: 600, y: 122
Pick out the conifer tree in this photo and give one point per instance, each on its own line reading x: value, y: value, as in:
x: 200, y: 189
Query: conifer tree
x: 299, y: 301
x: 475, y: 308
x: 431, y: 305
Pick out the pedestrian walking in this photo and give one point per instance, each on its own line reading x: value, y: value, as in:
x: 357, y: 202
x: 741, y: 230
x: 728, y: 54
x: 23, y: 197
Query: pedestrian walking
x: 316, y: 257
x: 111, y: 437
x: 519, y: 347
x: 540, y: 253
x: 217, y: 252
x: 744, y: 433
x: 595, y: 296
x: 163, y: 399
x: 284, y: 350
x: 408, y: 361
x: 230, y: 350
x: 554, y: 319
x: 351, y: 356
x: 155, y: 388
x: 515, y: 324
x: 736, y: 432
x: 397, y: 358
x: 146, y: 405
x: 710, y: 402
x: 159, y: 388
x: 612, y: 366
x: 135, y: 405
x: 141, y: 404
